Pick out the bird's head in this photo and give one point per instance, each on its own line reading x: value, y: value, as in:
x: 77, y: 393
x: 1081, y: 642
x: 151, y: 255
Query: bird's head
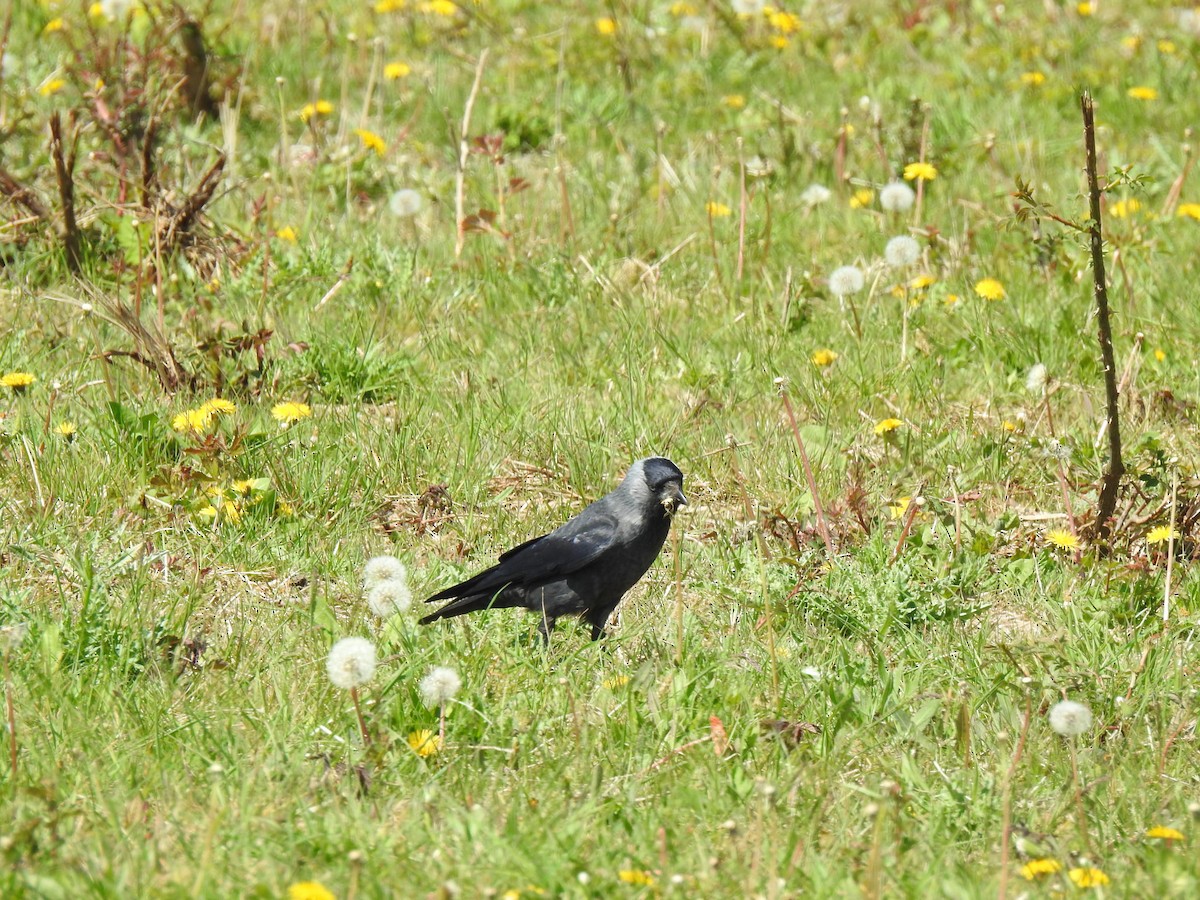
x: 659, y: 482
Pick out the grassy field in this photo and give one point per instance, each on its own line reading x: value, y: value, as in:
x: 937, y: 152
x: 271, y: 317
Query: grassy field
x: 256, y: 203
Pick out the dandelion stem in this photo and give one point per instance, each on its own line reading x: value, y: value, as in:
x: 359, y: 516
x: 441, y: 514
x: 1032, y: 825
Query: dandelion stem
x: 1079, y: 810
x: 741, y: 254
x: 1006, y: 799
x: 464, y: 152
x: 362, y: 725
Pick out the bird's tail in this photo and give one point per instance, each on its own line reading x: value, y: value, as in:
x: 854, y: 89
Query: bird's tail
x: 469, y: 604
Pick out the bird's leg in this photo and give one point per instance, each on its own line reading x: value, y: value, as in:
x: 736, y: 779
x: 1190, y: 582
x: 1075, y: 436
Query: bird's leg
x: 545, y: 627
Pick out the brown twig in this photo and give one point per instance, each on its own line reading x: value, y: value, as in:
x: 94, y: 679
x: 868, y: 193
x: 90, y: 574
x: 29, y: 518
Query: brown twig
x: 18, y: 193
x: 64, y: 169
x: 818, y: 508
x: 464, y: 153
x: 1111, y: 480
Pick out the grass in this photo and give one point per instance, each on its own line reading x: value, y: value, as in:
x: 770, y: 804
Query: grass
x: 861, y: 725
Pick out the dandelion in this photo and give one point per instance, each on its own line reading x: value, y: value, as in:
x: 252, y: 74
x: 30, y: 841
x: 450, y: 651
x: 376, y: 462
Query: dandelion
x: 67, y: 431
x: 1032, y: 79
x: 18, y: 382
x: 784, y: 22
x: 887, y: 426
x: 1087, y: 877
x: 440, y: 686
x: 1142, y: 92
x: 286, y: 233
x: 862, y: 197
x: 387, y: 6
x: 823, y: 357
x: 54, y: 25
x: 615, y: 683
x: 636, y: 876
x: 382, y: 568
x: 1166, y: 47
x: 371, y: 141
x: 314, y: 110
x: 920, y: 170
x: 424, y: 743
x: 901, y: 251
x: 898, y: 507
x: 1038, y: 868
x: 749, y: 7
x: 606, y: 27
x: 1062, y: 539
x: 218, y: 406
x: 734, y: 101
x: 990, y: 289
x: 897, y: 197
x: 289, y: 413
x: 1161, y: 535
x: 439, y: 8
x: 1123, y: 209
x: 389, y: 597
x: 1160, y: 355
x: 1070, y: 719
x: 815, y: 194
x: 1085, y: 8
x: 192, y: 421
x: 309, y: 890
x: 1163, y: 833
x: 681, y: 10
x: 1035, y: 381
x: 717, y: 210
x: 53, y: 86
x: 351, y: 662
x: 779, y: 42
x: 1189, y: 210
x: 405, y: 203
x: 846, y: 280
x: 394, y: 71
x: 920, y: 282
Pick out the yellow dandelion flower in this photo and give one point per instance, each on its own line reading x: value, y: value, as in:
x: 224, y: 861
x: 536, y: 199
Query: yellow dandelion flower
x: 95, y: 11
x: 309, y: 890
x: 779, y: 42
x: 898, y: 507
x: 1087, y: 878
x: 1033, y: 79
x: 606, y: 27
x: 1160, y: 355
x: 286, y: 233
x: 1161, y: 534
x: 617, y: 681
x: 1085, y: 8
x: 823, y: 357
x: 1009, y: 426
x: 1190, y: 210
x: 313, y: 110
x: 425, y: 743
x: 637, y: 876
x: 396, y: 70
x: 861, y: 198
x: 18, y: 382
x: 951, y: 300
x: 439, y: 8
x: 218, y: 406
x: 243, y: 486
x: 784, y: 22
x: 290, y: 412
x: 1163, y: 833
x: 1143, y: 92
x: 53, y: 86
x: 920, y: 282
x: 681, y: 10
x: 1131, y: 41
x: 1167, y: 47
x: 990, y: 289
x: 67, y: 431
x: 734, y: 101
x: 56, y: 24
x: 1037, y: 868
x: 192, y: 421
x: 1122, y: 209
x: 371, y: 141
x: 1062, y: 539
x: 922, y: 170
x: 886, y: 426
x: 717, y: 210
x: 387, y: 6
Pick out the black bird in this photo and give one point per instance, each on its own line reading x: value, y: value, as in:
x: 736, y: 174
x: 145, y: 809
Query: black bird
x: 585, y: 566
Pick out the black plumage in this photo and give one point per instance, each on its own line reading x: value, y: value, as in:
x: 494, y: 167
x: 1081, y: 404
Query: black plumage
x: 585, y: 566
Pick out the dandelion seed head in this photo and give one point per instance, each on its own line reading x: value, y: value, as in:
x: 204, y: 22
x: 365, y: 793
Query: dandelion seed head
x: 901, y: 251
x: 815, y: 194
x: 405, y: 203
x: 383, y: 568
x: 748, y: 7
x: 897, y: 197
x: 846, y: 280
x: 440, y: 686
x: 1070, y: 719
x: 351, y: 662
x: 1035, y: 381
x: 389, y: 597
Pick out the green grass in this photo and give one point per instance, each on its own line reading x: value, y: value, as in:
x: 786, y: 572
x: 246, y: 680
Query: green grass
x: 176, y: 732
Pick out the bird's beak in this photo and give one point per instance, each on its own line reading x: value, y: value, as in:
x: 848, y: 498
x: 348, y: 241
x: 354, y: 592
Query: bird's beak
x: 675, y: 499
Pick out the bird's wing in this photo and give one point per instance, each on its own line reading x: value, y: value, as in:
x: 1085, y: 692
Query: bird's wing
x: 565, y: 550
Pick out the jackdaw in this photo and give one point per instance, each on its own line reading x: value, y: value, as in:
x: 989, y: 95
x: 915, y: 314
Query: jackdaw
x: 585, y: 566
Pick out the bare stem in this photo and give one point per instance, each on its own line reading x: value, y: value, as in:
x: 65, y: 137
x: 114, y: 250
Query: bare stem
x: 818, y: 509
x: 1006, y: 800
x: 464, y: 151
x: 362, y: 724
x: 12, y: 720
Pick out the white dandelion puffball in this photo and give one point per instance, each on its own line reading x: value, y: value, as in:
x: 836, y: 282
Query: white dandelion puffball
x: 897, y: 197
x: 405, y: 203
x: 1070, y: 719
x: 815, y: 194
x: 115, y: 9
x: 351, y: 662
x: 439, y: 686
x: 382, y: 568
x: 901, y: 251
x: 1035, y: 381
x: 748, y: 7
x: 846, y: 280
x: 389, y: 597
